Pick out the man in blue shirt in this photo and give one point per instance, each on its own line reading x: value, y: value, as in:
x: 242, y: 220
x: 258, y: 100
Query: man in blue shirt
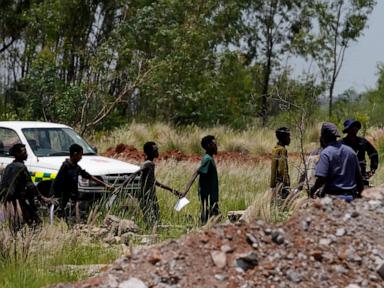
x: 338, y: 167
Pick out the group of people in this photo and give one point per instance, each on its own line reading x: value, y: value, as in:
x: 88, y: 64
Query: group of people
x: 341, y: 168
x: 18, y: 192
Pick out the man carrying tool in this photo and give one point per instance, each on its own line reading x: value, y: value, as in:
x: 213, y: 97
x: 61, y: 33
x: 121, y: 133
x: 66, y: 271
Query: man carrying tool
x: 362, y: 147
x: 18, y: 192
x: 208, y: 181
x: 338, y: 168
x: 148, y: 202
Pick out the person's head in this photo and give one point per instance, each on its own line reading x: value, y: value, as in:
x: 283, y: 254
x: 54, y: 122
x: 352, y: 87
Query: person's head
x: 150, y: 150
x: 351, y: 127
x: 19, y: 152
x: 283, y: 135
x: 75, y: 152
x: 208, y: 143
x: 328, y: 134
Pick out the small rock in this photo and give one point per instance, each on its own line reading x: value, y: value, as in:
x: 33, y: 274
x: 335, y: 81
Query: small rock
x: 219, y: 258
x: 227, y: 249
x: 346, y: 217
x: 326, y: 201
x: 154, y: 257
x: 204, y: 238
x: 380, y: 271
x: 340, y: 269
x: 247, y: 261
x: 323, y: 277
x: 340, y: 232
x: 374, y: 204
x: 278, y: 237
x: 293, y: 276
x: 325, y: 242
x: 133, y: 283
x: 317, y: 255
x: 251, y: 240
x: 267, y: 231
x: 220, y: 277
x: 355, y: 214
x: 247, y: 285
x: 290, y: 256
x: 373, y: 277
x: 352, y: 286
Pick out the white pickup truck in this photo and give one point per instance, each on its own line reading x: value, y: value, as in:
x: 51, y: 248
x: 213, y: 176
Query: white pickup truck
x: 48, y: 145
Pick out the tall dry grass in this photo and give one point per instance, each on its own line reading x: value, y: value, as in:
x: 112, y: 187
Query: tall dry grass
x: 35, y: 258
x: 253, y: 140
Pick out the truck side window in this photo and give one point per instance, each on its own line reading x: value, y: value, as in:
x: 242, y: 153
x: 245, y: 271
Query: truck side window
x: 8, y: 138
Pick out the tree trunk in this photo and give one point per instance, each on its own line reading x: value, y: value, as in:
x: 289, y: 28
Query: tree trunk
x: 331, y: 88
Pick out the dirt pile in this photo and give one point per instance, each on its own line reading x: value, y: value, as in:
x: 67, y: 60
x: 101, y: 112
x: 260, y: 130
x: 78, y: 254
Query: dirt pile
x: 329, y: 244
x: 129, y: 153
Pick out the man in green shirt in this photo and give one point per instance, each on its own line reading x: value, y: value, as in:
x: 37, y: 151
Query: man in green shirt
x: 208, y: 181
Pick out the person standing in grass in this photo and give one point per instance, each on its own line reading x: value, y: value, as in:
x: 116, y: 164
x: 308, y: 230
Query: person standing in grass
x: 18, y: 192
x: 147, y: 196
x: 279, y: 167
x: 65, y: 185
x: 208, y: 181
x: 362, y: 147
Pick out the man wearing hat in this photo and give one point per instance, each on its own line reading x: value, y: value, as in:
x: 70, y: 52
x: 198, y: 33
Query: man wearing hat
x: 338, y: 167
x: 361, y: 146
x: 279, y: 167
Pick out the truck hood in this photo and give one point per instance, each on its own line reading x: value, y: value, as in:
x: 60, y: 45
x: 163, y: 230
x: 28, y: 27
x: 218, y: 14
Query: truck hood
x: 95, y: 165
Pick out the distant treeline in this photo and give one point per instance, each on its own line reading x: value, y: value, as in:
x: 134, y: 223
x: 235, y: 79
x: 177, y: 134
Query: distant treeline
x: 100, y: 63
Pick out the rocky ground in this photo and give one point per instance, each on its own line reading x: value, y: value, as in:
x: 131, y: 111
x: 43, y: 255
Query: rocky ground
x: 328, y: 244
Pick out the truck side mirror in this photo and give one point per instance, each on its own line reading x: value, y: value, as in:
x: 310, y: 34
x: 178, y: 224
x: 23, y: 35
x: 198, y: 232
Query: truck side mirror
x: 94, y: 149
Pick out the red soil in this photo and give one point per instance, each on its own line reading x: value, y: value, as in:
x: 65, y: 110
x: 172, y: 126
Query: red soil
x: 130, y: 153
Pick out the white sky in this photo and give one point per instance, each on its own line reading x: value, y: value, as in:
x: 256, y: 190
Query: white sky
x: 361, y: 59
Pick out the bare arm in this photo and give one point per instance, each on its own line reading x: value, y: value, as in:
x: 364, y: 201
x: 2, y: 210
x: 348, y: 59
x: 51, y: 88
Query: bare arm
x: 98, y: 181
x: 320, y: 181
x: 165, y: 187
x: 190, y: 182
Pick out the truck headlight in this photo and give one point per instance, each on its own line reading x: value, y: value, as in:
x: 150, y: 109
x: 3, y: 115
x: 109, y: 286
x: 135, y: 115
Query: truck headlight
x: 83, y: 182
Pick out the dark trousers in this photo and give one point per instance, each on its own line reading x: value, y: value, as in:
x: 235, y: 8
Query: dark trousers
x: 209, y: 206
x: 20, y: 212
x: 149, y: 205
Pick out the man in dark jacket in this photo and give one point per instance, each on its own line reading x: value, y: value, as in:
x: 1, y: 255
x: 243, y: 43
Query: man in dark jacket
x: 65, y: 186
x: 362, y: 147
x: 18, y: 191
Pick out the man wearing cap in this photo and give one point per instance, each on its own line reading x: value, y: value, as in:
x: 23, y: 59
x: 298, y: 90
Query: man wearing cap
x: 361, y: 146
x: 338, y: 167
x: 279, y: 170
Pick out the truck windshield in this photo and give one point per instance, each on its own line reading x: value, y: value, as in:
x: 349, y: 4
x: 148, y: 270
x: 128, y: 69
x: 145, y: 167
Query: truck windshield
x: 46, y: 142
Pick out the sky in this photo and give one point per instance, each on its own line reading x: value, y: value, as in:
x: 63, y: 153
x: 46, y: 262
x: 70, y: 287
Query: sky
x: 360, y: 64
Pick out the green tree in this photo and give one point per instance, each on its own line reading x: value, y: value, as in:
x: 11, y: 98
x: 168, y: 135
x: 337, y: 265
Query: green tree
x: 270, y: 30
x: 338, y: 24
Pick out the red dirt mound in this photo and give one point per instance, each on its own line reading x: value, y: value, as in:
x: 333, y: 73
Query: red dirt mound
x: 130, y: 153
